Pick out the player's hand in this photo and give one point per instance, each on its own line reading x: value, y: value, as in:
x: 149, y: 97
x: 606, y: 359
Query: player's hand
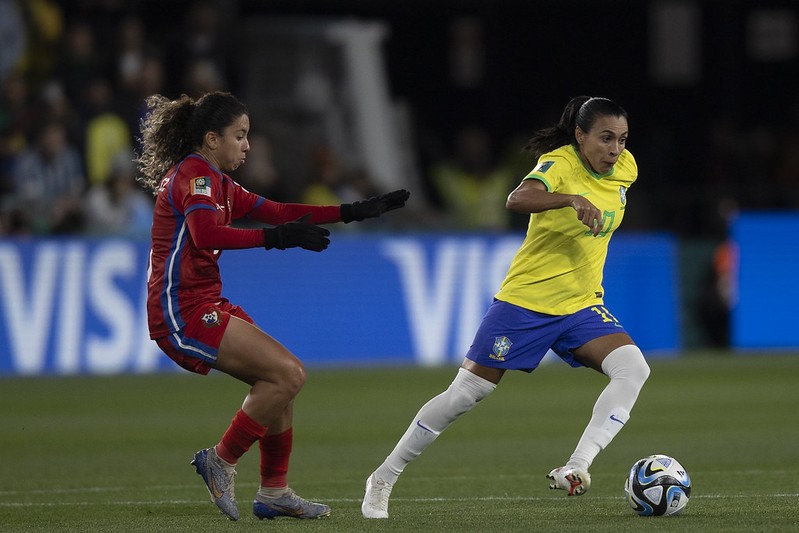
x: 299, y: 233
x: 375, y: 206
x: 588, y: 214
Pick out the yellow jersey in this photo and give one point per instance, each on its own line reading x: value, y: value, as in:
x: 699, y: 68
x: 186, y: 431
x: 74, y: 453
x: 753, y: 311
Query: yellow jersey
x: 558, y: 268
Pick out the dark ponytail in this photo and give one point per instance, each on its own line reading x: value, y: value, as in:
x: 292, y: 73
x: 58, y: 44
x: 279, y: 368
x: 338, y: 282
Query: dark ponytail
x: 581, y: 111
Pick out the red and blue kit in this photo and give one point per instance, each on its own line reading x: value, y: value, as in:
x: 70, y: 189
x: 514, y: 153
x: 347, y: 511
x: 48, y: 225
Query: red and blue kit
x: 194, y: 209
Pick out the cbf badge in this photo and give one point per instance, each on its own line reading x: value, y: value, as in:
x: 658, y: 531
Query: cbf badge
x: 210, y: 318
x: 501, y: 348
x: 623, y: 195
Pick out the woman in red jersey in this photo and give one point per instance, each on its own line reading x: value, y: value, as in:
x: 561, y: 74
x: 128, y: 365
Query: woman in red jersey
x: 188, y: 146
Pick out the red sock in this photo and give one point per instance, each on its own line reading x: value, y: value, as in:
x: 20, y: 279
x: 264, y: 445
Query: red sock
x: 275, y: 453
x: 238, y: 438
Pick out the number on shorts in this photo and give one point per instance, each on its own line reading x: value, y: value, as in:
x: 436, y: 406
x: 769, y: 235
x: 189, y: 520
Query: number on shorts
x: 605, y: 314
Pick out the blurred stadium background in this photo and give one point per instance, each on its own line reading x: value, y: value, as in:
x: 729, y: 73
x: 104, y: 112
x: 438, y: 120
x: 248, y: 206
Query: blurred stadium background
x: 349, y: 97
x: 354, y: 96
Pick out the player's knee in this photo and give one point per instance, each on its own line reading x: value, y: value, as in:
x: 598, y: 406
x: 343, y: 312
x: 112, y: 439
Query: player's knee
x: 636, y: 366
x: 642, y: 371
x: 467, y: 389
x: 287, y: 379
x: 628, y: 363
x: 294, y: 377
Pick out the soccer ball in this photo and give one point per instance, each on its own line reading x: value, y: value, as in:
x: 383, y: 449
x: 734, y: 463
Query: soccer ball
x: 657, y: 485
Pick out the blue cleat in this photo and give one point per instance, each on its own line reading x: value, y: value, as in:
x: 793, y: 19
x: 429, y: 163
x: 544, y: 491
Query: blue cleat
x: 288, y: 505
x: 219, y: 479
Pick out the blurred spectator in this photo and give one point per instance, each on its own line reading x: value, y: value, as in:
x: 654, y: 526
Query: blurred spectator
x: 259, y: 174
x: 44, y: 23
x: 131, y: 51
x: 467, y: 55
x: 52, y: 104
x: 202, y: 53
x: 149, y: 81
x: 719, y: 290
x: 14, y: 36
x: 15, y: 120
x: 79, y: 63
x: 139, y: 70
x: 331, y: 184
x: 471, y: 186
x: 119, y: 206
x: 203, y: 77
x: 49, y: 182
x: 107, y: 134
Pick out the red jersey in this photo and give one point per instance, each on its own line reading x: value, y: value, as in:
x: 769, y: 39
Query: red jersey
x: 194, y: 208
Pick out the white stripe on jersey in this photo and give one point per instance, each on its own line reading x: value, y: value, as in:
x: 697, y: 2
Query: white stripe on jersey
x: 206, y: 355
x: 170, y: 272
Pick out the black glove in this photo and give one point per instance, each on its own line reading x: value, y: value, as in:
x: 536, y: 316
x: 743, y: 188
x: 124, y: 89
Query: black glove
x: 374, y: 207
x: 298, y: 233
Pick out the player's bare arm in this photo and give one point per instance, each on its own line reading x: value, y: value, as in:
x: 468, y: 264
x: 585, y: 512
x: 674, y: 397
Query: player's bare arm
x: 531, y: 196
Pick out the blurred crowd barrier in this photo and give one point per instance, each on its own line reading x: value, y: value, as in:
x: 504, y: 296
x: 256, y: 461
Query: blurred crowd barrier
x: 764, y: 291
x: 77, y: 306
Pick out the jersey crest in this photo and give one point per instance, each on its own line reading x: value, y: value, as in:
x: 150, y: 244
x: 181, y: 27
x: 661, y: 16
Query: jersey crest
x: 501, y: 348
x: 211, y: 318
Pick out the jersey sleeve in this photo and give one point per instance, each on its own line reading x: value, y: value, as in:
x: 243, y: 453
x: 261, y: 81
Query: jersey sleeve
x: 260, y: 209
x: 208, y: 234
x: 272, y: 212
x: 549, y: 171
x: 628, y: 167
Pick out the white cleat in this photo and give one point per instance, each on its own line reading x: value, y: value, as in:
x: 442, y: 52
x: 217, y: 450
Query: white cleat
x: 375, y: 501
x: 573, y: 480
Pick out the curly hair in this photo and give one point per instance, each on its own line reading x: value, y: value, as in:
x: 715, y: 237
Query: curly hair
x: 172, y: 129
x: 582, y: 112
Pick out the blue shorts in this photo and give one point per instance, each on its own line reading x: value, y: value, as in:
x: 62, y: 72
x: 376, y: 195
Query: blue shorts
x: 515, y: 338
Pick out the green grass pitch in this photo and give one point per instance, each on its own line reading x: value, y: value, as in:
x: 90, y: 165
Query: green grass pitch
x: 100, y: 454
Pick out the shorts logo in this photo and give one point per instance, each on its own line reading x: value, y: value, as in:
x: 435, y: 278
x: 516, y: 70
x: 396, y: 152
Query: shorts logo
x: 501, y: 348
x: 201, y: 185
x: 211, y: 318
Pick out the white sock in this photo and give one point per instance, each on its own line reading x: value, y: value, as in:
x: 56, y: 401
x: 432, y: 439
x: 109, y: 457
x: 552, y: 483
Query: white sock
x: 627, y: 370
x: 432, y: 419
x: 272, y: 492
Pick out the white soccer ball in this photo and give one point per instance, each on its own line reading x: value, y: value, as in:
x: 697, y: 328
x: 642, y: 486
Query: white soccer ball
x: 657, y: 485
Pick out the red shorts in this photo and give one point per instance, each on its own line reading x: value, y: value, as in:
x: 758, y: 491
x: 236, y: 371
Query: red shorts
x: 195, y: 346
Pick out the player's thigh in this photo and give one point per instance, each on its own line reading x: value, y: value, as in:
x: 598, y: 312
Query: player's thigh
x: 249, y: 354
x: 593, y: 352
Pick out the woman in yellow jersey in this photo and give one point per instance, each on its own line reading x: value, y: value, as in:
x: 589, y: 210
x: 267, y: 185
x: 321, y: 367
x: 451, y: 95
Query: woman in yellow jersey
x: 552, y: 296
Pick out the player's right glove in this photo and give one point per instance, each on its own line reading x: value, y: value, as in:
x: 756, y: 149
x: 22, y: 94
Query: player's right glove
x: 299, y: 233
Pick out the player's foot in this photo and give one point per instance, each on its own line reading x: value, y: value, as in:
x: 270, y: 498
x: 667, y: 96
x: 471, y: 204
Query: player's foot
x: 287, y: 505
x: 375, y: 501
x: 573, y: 480
x: 218, y: 478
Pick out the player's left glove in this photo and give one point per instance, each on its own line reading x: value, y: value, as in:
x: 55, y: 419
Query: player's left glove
x: 374, y: 207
